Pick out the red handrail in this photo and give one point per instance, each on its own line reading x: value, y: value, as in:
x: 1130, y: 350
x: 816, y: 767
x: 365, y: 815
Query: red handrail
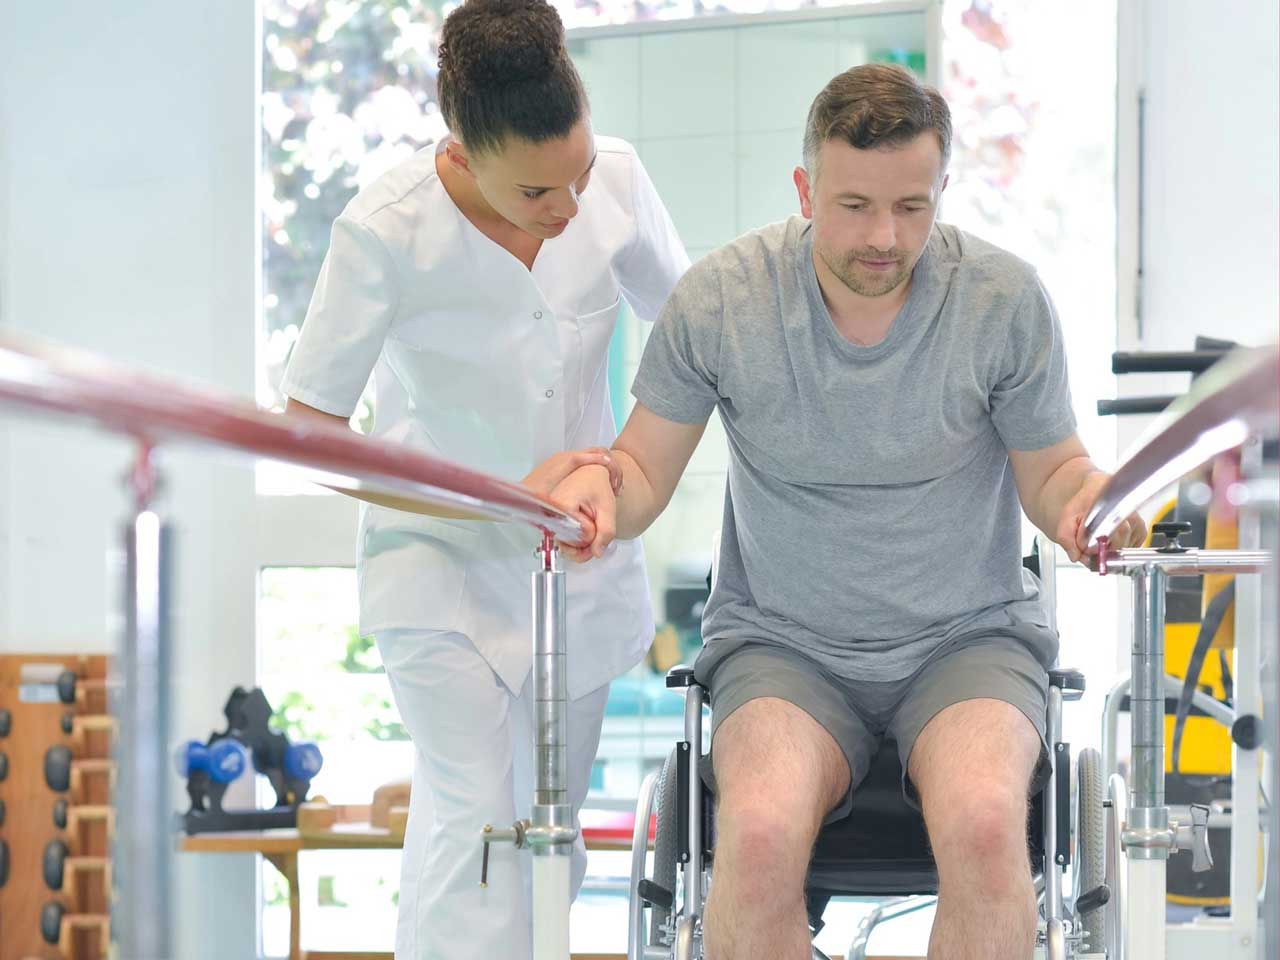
x: 155, y: 410
x: 1236, y: 398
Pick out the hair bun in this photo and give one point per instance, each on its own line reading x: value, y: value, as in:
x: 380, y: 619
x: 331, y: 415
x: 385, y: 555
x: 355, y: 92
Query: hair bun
x: 494, y: 43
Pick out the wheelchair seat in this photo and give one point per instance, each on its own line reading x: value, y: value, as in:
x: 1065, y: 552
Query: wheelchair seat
x: 881, y: 848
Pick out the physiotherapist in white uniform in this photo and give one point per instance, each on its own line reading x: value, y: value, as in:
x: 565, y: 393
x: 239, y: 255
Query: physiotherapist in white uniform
x: 480, y: 282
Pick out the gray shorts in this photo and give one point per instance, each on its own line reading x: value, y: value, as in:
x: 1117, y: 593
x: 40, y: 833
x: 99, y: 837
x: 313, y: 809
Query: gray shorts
x: 1010, y: 665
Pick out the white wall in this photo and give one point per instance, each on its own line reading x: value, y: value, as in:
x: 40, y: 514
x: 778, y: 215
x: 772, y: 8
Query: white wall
x: 1209, y: 74
x: 127, y: 227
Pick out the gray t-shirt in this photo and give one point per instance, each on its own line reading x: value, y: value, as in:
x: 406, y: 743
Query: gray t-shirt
x: 871, y: 514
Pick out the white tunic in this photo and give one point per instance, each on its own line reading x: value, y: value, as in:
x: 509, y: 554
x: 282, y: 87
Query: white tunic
x: 480, y: 361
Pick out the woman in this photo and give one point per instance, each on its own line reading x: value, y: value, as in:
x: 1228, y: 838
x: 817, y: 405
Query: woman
x: 479, y: 282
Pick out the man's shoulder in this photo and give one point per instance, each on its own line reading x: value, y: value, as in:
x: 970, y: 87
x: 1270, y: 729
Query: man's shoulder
x: 980, y: 261
x: 756, y: 257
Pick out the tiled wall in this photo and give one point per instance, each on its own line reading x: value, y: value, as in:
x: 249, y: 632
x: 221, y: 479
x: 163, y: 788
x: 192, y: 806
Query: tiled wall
x: 717, y: 114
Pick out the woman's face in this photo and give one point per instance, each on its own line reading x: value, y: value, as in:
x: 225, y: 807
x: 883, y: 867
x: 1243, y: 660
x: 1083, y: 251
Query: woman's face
x: 537, y: 186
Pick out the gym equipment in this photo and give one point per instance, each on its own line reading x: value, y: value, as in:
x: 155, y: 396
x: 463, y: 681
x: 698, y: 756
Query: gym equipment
x: 209, y: 768
x: 51, y: 921
x: 1199, y: 621
x: 54, y: 863
x: 57, y: 768
x: 151, y: 410
x: 1231, y: 407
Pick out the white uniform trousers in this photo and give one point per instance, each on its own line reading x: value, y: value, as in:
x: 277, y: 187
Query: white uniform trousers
x: 473, y: 765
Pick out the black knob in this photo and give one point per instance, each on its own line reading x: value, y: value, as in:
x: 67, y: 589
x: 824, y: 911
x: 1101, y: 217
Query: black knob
x: 1245, y: 732
x: 57, y: 769
x: 67, y: 686
x: 51, y: 921
x: 1171, y: 530
x: 60, y: 813
x: 6, y: 722
x: 68, y: 722
x: 55, y: 862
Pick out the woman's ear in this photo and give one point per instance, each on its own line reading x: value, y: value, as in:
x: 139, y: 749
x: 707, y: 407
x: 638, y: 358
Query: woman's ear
x: 456, y: 154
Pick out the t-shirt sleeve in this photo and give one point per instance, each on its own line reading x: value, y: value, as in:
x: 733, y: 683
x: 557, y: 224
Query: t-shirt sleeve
x: 656, y: 259
x: 351, y: 310
x: 1031, y: 401
x: 678, y: 376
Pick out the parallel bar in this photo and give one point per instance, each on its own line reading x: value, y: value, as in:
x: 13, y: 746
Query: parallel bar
x: 1235, y: 398
x: 143, y: 841
x: 1167, y: 361
x: 551, y: 808
x: 1191, y: 563
x: 1147, y: 706
x: 75, y: 384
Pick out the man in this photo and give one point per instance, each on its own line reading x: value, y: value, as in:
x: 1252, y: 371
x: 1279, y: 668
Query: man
x: 892, y: 389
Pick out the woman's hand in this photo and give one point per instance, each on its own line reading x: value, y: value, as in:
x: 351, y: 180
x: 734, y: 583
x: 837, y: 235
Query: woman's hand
x: 556, y: 469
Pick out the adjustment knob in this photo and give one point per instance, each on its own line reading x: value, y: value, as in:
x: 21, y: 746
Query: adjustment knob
x: 1171, y: 530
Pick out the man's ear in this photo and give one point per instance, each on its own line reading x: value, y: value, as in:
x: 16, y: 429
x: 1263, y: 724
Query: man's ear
x: 804, y: 188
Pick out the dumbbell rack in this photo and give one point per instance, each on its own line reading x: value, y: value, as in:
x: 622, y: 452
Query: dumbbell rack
x: 55, y: 901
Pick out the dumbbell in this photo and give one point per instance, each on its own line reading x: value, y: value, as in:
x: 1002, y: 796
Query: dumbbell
x: 68, y: 682
x: 54, y: 862
x: 223, y: 762
x: 51, y: 921
x: 302, y: 761
x: 57, y: 768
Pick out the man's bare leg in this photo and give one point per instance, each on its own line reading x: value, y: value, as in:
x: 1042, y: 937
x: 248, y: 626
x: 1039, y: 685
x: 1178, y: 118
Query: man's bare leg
x: 778, y: 773
x: 972, y: 765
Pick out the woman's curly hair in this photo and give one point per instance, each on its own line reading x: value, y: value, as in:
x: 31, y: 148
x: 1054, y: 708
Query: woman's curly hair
x: 504, y: 71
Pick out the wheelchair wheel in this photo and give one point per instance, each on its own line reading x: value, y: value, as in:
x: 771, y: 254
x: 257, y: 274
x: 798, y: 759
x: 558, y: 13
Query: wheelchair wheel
x: 665, y: 845
x: 1091, y: 846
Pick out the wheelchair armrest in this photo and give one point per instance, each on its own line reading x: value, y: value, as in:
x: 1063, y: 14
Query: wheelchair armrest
x: 680, y: 676
x: 1070, y: 682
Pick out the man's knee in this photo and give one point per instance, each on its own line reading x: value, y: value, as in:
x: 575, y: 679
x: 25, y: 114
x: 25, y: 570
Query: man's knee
x: 777, y: 772
x: 979, y: 823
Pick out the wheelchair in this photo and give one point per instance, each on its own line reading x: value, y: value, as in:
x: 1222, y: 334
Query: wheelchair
x: 881, y: 850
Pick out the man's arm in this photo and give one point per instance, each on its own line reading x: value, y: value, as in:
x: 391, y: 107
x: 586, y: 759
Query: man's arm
x: 1057, y: 487
x: 651, y: 453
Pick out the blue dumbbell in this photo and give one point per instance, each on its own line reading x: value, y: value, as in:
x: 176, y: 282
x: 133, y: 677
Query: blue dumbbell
x: 302, y: 761
x: 223, y: 762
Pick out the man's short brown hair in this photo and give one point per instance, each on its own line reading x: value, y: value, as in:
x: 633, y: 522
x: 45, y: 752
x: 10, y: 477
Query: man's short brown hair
x: 876, y: 105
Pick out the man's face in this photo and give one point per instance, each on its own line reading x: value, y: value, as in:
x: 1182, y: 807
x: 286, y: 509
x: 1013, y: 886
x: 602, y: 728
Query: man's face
x: 536, y: 186
x: 873, y: 210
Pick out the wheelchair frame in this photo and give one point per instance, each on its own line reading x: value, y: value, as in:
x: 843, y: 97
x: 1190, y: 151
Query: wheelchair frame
x: 1057, y: 933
